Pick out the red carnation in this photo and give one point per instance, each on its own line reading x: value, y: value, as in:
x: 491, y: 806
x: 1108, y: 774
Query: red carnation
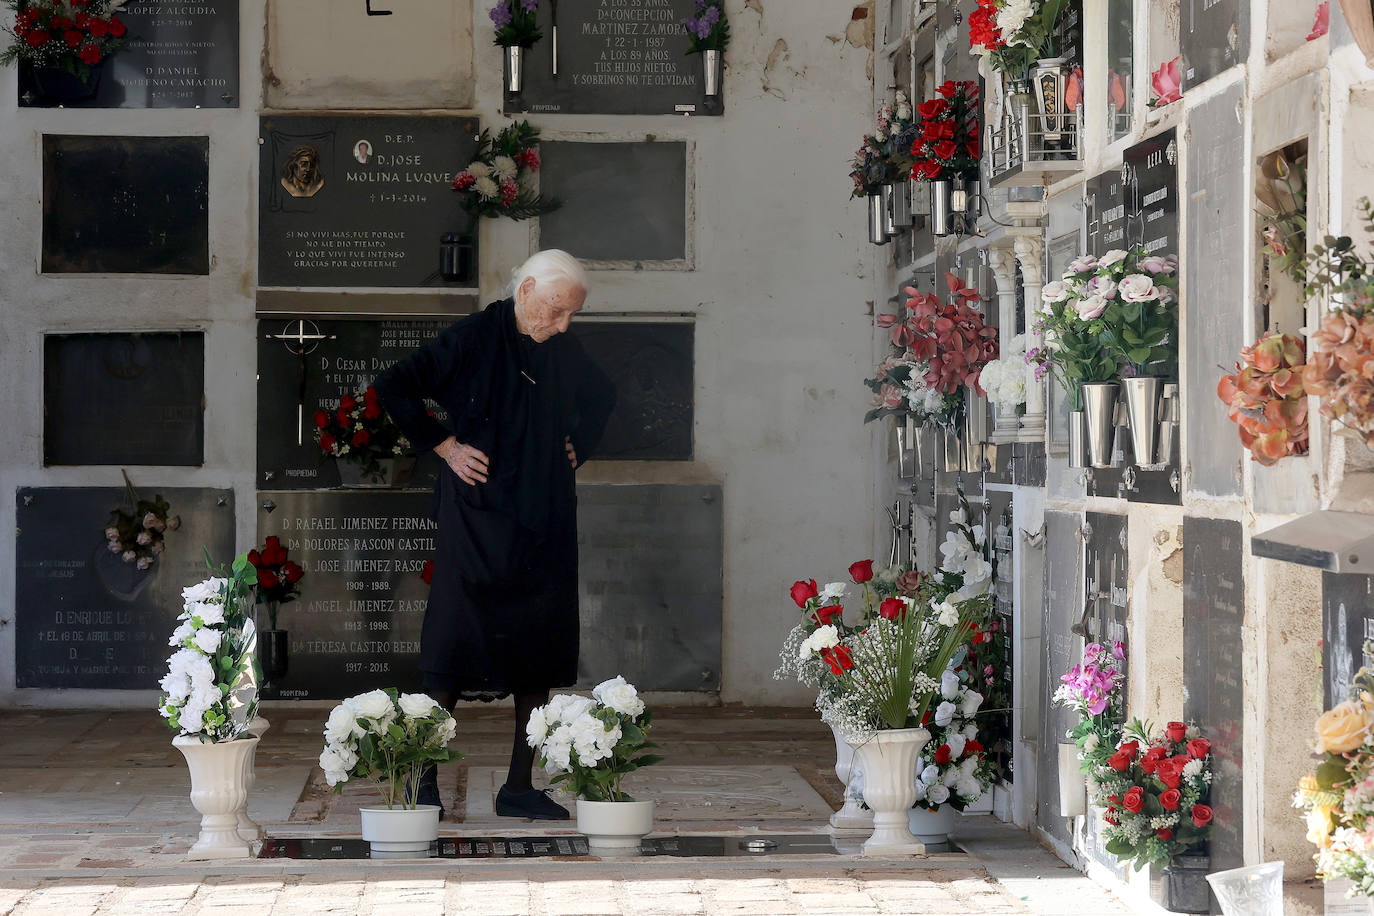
x: 348, y: 402
x: 1134, y: 800
x: 826, y: 615
x: 1202, y: 815
x: 361, y: 438
x: 1165, y: 834
x: 839, y: 659
x: 892, y: 608
x: 861, y: 571
x: 343, y: 419
x: 99, y: 28
x: 1170, y: 799
x: 37, y: 38
x: 268, y: 579
x: 293, y: 572
x: 89, y: 54
x: 117, y: 28
x: 943, y: 754
x: 327, y: 441
x: 803, y: 592
x: 372, y: 411
x: 1176, y: 731
x: 1199, y: 748
x: 73, y: 38
x: 321, y: 419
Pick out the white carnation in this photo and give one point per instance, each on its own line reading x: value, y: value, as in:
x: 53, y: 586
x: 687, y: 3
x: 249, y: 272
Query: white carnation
x: 825, y: 637
x: 537, y: 728
x: 336, y: 761
x: 203, y: 591
x: 211, y: 613
x: 832, y: 592
x: 949, y: 617
x: 183, y: 632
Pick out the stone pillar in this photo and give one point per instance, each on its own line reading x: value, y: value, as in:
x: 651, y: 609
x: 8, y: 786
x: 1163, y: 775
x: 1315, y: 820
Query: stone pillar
x: 1006, y: 424
x: 1030, y: 249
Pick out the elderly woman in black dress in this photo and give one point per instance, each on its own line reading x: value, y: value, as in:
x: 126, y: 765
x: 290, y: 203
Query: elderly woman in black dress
x: 525, y: 408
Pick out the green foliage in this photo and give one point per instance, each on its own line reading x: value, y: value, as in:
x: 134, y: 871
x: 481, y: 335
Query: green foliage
x: 522, y: 31
x: 1334, y: 267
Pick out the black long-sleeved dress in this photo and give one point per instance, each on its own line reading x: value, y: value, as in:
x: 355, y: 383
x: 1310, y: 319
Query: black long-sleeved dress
x: 503, y: 612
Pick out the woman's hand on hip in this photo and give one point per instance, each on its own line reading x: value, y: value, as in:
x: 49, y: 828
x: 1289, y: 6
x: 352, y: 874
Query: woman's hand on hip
x: 572, y: 452
x: 468, y: 463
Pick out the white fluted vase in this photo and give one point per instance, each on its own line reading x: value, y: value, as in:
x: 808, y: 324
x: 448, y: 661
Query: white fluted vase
x: 248, y: 828
x: 218, y: 792
x: 889, y: 760
x: 851, y: 820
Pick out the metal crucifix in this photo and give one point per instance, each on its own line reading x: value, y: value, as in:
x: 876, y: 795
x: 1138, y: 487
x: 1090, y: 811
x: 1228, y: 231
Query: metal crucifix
x: 301, y: 337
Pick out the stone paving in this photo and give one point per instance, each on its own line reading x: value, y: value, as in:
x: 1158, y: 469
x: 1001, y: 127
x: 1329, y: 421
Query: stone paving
x: 95, y: 819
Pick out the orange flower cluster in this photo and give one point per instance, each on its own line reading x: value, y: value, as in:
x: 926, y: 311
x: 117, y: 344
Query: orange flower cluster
x: 1267, y: 398
x: 1342, y: 370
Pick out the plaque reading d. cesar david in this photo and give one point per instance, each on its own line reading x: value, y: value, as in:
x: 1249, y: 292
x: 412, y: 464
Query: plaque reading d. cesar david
x: 358, y: 201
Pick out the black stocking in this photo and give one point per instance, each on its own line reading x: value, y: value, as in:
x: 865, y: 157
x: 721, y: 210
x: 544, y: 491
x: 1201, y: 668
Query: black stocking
x: 521, y: 754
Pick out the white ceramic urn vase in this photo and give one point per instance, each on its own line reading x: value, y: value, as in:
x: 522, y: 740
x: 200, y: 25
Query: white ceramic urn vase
x: 218, y: 791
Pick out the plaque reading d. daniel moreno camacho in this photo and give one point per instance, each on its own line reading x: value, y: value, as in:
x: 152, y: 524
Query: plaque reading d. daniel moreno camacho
x: 358, y: 201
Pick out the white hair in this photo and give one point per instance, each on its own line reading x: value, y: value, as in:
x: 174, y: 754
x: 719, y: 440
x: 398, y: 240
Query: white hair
x: 549, y: 266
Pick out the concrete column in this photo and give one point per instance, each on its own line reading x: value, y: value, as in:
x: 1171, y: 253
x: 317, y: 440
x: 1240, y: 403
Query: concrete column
x: 1006, y: 424
x: 1030, y: 251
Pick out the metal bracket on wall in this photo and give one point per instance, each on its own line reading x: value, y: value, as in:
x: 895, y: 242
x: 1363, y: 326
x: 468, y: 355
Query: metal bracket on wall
x: 1036, y: 538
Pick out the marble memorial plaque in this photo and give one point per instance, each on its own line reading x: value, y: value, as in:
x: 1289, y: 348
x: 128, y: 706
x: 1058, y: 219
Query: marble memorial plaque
x: 358, y: 201
x: 1214, y: 36
x: 126, y: 205
x: 179, y: 56
x: 1213, y: 679
x: 619, y: 57
x: 1347, y: 626
x: 83, y: 617
x: 125, y: 399
x: 651, y: 365
x: 622, y: 202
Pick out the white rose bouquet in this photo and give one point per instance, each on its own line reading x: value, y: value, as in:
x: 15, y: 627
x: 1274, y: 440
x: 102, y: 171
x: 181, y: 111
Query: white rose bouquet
x: 1004, y: 379
x: 953, y: 768
x: 592, y: 743
x: 387, y: 738
x: 210, y: 690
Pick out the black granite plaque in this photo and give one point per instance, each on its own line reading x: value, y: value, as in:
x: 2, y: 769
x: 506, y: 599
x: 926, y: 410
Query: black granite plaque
x: 650, y: 586
x: 651, y: 365
x: 307, y: 364
x: 1151, y: 194
x: 124, y: 398
x: 1213, y: 678
x: 179, y: 56
x: 1214, y: 36
x: 83, y: 617
x: 1106, y: 574
x: 126, y: 204
x: 359, y: 201
x: 621, y: 57
x: 1060, y: 650
x: 621, y: 201
x: 1347, y: 625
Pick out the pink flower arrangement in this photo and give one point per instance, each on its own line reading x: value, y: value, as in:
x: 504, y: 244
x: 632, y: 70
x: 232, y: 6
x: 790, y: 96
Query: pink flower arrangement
x: 952, y: 338
x: 1090, y: 685
x: 1167, y: 84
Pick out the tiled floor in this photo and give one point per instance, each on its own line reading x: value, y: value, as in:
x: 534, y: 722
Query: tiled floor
x: 95, y: 818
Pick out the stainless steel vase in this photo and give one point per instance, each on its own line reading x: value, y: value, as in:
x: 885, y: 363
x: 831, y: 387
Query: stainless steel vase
x: 1099, y: 403
x: 901, y: 203
x: 1142, y: 409
x: 889, y: 217
x: 1078, y: 439
x: 1022, y: 109
x: 941, y: 215
x: 515, y: 69
x: 877, y: 219
x: 906, y: 447
x: 711, y: 62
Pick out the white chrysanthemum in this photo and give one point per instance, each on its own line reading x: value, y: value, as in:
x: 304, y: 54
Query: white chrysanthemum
x: 479, y: 170
x: 486, y: 187
x: 183, y: 631
x: 1192, y: 769
x: 504, y: 167
x: 620, y: 696
x: 416, y: 705
x: 1091, y: 742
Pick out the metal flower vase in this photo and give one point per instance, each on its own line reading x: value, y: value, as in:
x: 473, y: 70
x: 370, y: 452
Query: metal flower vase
x: 941, y: 211
x: 877, y: 219
x: 515, y: 69
x: 1142, y: 410
x: 907, y: 435
x: 889, y: 217
x: 711, y: 64
x: 1022, y: 106
x: 1073, y: 786
x: 901, y: 203
x: 1256, y: 890
x: 1078, y: 439
x: 1099, y: 404
x: 1181, y: 886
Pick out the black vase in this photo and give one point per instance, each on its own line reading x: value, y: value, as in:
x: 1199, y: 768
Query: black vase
x: 455, y: 258
x: 59, y: 87
x: 273, y: 654
x: 1181, y: 886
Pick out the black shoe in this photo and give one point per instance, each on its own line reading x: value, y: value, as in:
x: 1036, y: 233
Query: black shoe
x: 532, y: 803
x: 427, y: 793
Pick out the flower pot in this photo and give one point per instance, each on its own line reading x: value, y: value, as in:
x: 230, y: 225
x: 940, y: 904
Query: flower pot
x: 273, y: 654
x: 218, y: 791
x: 59, y: 87
x: 889, y: 218
x: 941, y: 216
x: 851, y: 819
x: 515, y: 69
x: 1073, y: 786
x: 1078, y: 439
x: 906, y: 434
x: 901, y: 203
x: 1047, y: 80
x: 1142, y: 410
x: 1181, y: 886
x: 711, y: 73
x: 614, y: 827
x: 1256, y: 890
x: 877, y: 219
x: 889, y: 762
x: 400, y: 833
x: 248, y: 828
x: 393, y: 472
x: 931, y: 827
x: 1099, y: 403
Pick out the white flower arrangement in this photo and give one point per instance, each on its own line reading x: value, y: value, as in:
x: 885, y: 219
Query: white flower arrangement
x: 953, y: 768
x: 592, y: 743
x: 1004, y: 379
x: 209, y: 691
x: 388, y: 738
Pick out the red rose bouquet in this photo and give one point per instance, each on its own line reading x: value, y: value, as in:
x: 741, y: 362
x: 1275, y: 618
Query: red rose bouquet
x: 1267, y: 399
x: 278, y: 577
x: 360, y: 431
x: 1013, y: 34
x: 70, y: 35
x: 1155, y: 791
x: 947, y: 143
